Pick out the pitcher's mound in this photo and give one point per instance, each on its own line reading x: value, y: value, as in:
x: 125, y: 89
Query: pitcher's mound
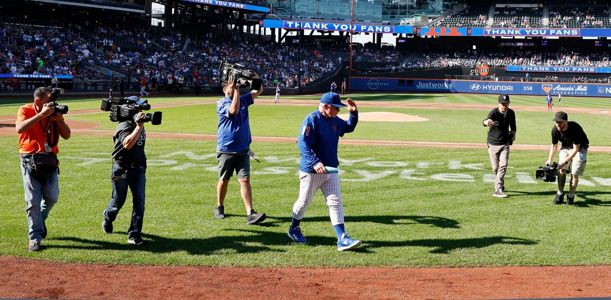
x: 383, y: 116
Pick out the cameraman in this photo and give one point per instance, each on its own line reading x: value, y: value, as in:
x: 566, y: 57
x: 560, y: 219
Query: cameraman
x: 39, y: 128
x: 128, y: 170
x: 233, y: 152
x: 573, y: 153
x: 499, y: 121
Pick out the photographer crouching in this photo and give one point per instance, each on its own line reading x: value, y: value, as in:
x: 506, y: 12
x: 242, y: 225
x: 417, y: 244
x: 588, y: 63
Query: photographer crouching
x: 572, y: 156
x: 39, y: 126
x: 129, y: 161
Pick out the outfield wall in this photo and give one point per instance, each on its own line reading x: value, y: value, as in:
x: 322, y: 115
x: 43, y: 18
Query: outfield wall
x: 374, y: 84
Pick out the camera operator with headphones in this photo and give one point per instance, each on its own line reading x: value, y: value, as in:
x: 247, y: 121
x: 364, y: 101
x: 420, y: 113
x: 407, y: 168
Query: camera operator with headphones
x: 39, y: 126
x: 572, y: 156
x: 128, y: 171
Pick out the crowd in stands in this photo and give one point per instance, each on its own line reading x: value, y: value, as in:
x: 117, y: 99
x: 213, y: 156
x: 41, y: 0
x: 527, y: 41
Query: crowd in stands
x: 27, y: 49
x: 585, y: 14
x: 517, y: 17
x: 471, y: 16
x: 563, y: 57
x: 579, y: 17
x: 163, y: 57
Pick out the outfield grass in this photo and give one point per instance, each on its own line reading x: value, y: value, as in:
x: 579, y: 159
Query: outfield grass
x: 410, y: 206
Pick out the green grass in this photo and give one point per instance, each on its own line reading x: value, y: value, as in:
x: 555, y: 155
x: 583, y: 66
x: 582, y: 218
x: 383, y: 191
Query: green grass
x: 423, y: 220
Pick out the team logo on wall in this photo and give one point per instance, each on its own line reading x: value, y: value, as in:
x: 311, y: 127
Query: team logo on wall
x: 546, y: 88
x: 373, y: 84
x: 483, y: 70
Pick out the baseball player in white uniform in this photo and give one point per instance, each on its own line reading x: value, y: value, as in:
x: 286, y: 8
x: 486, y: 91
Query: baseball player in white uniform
x: 317, y: 141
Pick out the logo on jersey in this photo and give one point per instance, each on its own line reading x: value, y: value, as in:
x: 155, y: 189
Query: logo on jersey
x: 305, y: 131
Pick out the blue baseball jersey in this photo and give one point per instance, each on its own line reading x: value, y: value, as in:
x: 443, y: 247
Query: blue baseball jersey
x: 319, y: 137
x: 233, y: 132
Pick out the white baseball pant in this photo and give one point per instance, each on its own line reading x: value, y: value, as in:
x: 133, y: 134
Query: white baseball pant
x: 329, y: 184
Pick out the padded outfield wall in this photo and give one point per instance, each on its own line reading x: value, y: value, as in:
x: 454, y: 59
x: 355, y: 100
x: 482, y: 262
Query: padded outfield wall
x: 381, y: 84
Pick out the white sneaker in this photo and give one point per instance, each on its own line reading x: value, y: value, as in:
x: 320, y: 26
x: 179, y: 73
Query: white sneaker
x: 499, y: 193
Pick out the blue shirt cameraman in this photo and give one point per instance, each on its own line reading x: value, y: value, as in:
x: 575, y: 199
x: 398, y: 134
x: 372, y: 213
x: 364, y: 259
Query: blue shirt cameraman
x: 233, y: 147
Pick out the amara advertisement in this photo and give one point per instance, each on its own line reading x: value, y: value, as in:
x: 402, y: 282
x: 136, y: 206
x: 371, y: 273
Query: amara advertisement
x: 478, y: 87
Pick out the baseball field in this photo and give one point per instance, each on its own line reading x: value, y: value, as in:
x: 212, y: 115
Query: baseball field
x: 415, y: 178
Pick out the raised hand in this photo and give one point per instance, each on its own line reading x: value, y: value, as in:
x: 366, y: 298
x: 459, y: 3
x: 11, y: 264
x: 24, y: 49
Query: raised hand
x: 351, y: 105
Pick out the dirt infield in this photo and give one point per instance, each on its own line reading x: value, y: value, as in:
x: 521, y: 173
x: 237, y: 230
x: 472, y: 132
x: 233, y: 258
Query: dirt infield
x: 28, y: 278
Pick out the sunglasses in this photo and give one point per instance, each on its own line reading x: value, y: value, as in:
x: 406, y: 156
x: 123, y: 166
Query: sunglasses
x: 334, y: 108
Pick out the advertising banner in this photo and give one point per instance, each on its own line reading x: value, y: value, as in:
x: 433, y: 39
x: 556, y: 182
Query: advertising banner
x: 443, y: 31
x: 33, y: 76
x: 478, y: 87
x: 557, y: 69
x: 230, y: 4
x: 337, y: 26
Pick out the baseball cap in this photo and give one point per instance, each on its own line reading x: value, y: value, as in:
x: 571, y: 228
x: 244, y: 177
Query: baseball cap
x: 561, y: 116
x: 331, y: 98
x: 503, y: 98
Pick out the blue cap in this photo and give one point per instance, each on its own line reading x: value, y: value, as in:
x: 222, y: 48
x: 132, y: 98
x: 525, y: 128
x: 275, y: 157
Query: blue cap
x: 331, y: 98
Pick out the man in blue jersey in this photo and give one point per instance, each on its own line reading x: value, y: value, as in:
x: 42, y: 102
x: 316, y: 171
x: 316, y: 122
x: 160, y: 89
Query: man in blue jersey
x: 233, y: 148
x: 317, y: 142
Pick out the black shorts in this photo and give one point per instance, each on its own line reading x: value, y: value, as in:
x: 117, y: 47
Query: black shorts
x: 230, y: 162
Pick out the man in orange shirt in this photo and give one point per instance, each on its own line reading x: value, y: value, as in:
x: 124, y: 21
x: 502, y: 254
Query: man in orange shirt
x: 39, y: 127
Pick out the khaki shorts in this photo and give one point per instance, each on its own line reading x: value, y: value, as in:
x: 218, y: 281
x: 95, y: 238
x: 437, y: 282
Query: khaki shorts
x: 578, y: 165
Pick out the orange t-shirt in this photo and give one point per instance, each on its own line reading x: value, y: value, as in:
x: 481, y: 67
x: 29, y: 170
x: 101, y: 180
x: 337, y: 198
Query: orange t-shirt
x: 34, y: 139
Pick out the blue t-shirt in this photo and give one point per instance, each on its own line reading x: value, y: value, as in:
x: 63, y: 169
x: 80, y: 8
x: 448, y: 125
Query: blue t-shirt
x: 233, y: 134
x: 318, y: 139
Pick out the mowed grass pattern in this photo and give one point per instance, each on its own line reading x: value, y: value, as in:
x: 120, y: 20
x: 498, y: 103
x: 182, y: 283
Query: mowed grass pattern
x: 410, y: 206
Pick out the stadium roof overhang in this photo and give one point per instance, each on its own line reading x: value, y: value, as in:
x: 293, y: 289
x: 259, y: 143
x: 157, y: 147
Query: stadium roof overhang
x: 110, y: 5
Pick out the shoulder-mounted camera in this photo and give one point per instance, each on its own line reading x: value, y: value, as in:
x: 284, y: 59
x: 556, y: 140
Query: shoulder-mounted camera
x: 242, y: 75
x: 547, y: 173
x: 123, y: 109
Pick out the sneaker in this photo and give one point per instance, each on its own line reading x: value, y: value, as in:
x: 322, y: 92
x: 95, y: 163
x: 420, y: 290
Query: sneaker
x: 347, y: 243
x: 219, y: 212
x: 34, y: 245
x: 135, y: 240
x: 296, y: 235
x: 570, y: 200
x: 107, y: 226
x: 255, y: 218
x: 499, y: 193
x: 559, y: 199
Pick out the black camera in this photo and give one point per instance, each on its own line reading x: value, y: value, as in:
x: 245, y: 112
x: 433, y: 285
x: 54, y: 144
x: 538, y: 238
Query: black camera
x: 242, y: 75
x: 547, y: 173
x: 55, y: 92
x: 123, y: 109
